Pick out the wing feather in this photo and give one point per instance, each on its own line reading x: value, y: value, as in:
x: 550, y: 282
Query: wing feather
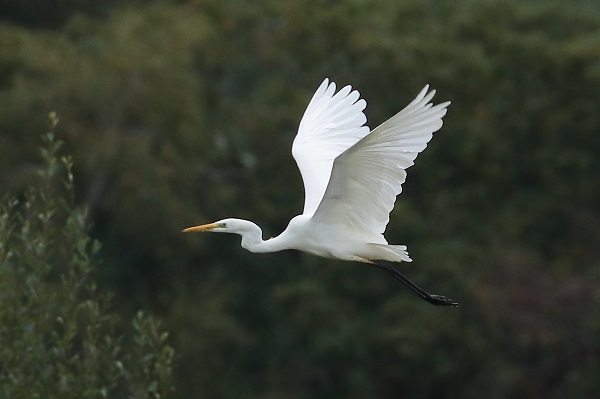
x: 367, y: 177
x: 332, y: 123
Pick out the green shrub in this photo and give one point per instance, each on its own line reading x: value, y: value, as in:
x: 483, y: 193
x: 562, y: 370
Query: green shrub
x: 59, y: 337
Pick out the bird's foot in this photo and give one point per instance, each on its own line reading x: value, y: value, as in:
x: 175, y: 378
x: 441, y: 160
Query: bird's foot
x: 441, y: 300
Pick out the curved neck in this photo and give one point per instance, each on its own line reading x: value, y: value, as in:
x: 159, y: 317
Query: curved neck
x: 252, y: 240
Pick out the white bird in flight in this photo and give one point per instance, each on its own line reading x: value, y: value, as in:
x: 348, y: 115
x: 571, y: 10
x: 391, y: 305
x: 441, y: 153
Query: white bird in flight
x: 351, y: 179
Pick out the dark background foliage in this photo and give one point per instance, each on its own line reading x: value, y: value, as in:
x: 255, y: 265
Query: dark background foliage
x: 181, y: 112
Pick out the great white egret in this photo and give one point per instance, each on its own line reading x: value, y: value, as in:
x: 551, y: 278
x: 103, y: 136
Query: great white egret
x: 351, y: 180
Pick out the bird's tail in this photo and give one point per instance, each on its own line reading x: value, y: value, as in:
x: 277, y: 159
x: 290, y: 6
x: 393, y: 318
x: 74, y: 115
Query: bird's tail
x: 393, y: 253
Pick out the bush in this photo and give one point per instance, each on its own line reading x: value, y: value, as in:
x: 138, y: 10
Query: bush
x: 58, y: 334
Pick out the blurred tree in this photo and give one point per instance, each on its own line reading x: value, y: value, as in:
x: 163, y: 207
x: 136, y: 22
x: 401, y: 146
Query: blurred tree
x: 58, y: 335
x: 49, y: 13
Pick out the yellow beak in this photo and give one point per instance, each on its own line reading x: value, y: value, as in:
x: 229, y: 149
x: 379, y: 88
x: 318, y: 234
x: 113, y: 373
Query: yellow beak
x: 204, y: 227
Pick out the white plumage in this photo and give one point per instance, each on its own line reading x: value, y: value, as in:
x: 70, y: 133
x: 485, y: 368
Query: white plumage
x: 351, y: 179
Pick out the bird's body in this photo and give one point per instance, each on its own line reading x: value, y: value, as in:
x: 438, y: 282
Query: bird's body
x: 351, y: 179
x: 307, y: 235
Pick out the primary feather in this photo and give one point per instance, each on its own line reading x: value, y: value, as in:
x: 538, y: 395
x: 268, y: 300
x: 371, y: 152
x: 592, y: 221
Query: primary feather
x: 332, y: 123
x: 367, y: 177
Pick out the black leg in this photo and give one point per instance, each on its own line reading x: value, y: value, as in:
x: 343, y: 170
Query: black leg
x: 431, y: 298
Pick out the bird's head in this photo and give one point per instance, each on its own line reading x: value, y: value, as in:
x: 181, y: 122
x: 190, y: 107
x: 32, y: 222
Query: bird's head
x: 224, y: 226
x: 221, y: 226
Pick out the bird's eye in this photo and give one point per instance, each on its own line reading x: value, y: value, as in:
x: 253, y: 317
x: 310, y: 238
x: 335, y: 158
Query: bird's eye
x: 223, y: 225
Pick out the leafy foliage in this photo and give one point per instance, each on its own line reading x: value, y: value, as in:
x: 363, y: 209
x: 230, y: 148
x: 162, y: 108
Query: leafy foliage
x: 58, y: 335
x: 180, y: 112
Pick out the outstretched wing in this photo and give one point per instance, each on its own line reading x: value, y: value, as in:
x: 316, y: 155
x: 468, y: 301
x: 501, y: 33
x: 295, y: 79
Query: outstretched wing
x: 367, y: 177
x: 331, y: 124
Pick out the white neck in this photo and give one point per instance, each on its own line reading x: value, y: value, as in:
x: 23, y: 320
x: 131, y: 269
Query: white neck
x: 252, y: 239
